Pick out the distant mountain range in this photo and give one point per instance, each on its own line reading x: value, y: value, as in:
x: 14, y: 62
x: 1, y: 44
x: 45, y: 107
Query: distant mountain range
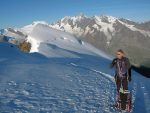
x: 106, y: 33
x: 110, y: 33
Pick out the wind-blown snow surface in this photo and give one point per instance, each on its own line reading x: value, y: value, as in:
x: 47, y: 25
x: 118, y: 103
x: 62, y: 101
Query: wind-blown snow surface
x: 54, y: 43
x: 35, y: 83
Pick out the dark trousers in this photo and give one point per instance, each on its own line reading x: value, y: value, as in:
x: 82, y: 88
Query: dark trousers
x: 121, y: 81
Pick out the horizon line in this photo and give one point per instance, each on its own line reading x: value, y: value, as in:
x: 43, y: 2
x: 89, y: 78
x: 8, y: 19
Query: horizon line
x: 80, y: 14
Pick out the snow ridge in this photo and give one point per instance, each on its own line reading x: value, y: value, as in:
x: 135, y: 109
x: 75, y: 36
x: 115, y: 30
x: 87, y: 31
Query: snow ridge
x: 51, y: 42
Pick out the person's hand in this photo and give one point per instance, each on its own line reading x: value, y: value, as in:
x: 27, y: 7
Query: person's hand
x: 115, y: 77
x: 129, y: 78
x: 113, y: 63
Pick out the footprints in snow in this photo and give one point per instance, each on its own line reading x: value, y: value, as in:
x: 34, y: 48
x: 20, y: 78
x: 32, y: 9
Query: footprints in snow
x: 89, y: 93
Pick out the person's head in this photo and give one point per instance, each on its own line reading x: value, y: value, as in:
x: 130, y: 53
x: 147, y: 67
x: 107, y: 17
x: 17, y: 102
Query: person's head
x: 120, y: 54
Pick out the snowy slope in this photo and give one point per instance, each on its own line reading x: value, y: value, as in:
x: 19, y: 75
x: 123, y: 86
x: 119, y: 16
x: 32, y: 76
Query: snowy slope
x: 34, y: 83
x: 51, y: 42
x: 44, y: 37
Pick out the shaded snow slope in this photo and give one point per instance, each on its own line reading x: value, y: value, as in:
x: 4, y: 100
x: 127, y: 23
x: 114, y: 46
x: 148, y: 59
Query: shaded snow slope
x: 10, y: 51
x: 69, y: 85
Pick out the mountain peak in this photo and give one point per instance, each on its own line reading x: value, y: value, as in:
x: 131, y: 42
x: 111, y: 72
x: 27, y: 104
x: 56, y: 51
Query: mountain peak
x: 105, y: 18
x: 28, y: 28
x: 74, y: 18
x: 81, y: 15
x: 39, y: 22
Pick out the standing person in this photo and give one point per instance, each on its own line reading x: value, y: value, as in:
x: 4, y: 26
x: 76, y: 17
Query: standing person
x: 122, y: 70
x: 122, y: 73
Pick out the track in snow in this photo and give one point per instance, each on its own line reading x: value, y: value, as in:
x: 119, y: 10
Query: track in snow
x: 79, y: 91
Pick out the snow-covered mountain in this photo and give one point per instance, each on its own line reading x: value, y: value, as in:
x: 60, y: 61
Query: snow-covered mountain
x: 83, y: 25
x: 109, y: 33
x: 105, y: 33
x: 61, y: 74
x: 50, y: 42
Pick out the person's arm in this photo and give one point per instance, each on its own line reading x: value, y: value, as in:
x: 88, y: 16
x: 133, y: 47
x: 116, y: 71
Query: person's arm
x: 129, y: 74
x: 129, y: 69
x: 128, y: 63
x: 113, y: 63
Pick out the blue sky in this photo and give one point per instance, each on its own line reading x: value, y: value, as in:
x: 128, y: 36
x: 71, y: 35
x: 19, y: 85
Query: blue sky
x: 17, y: 13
